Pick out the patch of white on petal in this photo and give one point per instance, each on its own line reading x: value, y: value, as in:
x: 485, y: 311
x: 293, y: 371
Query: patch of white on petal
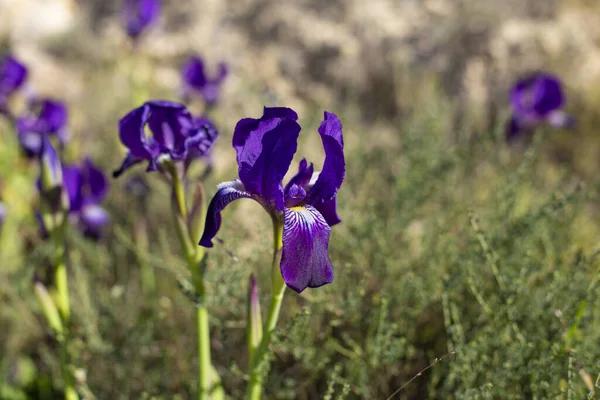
x: 313, y: 178
x: 31, y: 140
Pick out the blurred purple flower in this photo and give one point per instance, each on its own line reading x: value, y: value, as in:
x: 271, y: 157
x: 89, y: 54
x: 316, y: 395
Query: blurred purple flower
x: 537, y: 99
x: 306, y: 206
x: 137, y: 15
x: 48, y: 117
x: 13, y: 75
x: 196, y: 81
x: 2, y: 214
x: 176, y: 135
x: 76, y: 189
x: 86, y: 187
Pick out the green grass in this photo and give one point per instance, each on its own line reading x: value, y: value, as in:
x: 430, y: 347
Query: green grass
x: 447, y: 246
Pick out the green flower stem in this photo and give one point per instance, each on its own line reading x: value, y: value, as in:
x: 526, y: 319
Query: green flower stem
x: 277, y: 292
x: 70, y: 392
x: 194, y: 255
x: 141, y: 243
x: 63, y: 305
x: 60, y: 272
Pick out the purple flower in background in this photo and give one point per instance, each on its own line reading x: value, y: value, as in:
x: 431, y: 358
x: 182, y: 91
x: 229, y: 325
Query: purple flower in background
x: 86, y: 187
x: 2, y: 214
x: 13, y: 75
x: 75, y: 189
x: 537, y: 99
x: 175, y: 135
x: 196, y: 81
x: 307, y: 204
x: 137, y: 15
x: 49, y: 117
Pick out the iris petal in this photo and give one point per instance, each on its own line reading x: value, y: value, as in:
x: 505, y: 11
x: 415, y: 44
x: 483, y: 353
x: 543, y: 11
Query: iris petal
x: 170, y: 123
x: 12, y: 75
x: 129, y: 161
x: 193, y: 73
x: 305, y: 260
x: 334, y: 168
x: 535, y: 96
x: 96, y: 182
x: 73, y: 180
x: 228, y: 192
x: 53, y: 116
x: 328, y: 210
x: 548, y: 94
x: 302, y: 177
x: 93, y: 218
x: 132, y: 135
x: 139, y: 14
x: 265, y: 148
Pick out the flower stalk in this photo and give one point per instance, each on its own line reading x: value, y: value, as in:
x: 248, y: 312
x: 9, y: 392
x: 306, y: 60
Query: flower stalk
x: 194, y: 256
x: 277, y: 292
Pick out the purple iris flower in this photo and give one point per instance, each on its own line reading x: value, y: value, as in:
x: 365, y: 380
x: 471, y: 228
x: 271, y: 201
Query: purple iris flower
x: 78, y: 189
x: 137, y: 15
x: 195, y: 80
x: 306, y: 205
x: 175, y: 135
x: 13, y: 75
x: 86, y: 187
x: 49, y: 117
x: 537, y: 99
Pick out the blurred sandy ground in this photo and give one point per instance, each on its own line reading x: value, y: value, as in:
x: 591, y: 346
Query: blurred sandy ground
x: 372, y: 53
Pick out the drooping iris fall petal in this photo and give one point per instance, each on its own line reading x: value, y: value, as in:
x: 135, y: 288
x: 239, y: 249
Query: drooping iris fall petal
x: 226, y: 193
x: 305, y: 260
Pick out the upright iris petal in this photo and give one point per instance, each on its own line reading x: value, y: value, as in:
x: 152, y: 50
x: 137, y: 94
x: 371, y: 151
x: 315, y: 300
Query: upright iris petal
x: 137, y: 15
x: 334, y: 168
x: 536, y: 99
x: 13, y: 75
x: 307, y: 206
x: 195, y: 80
x: 265, y: 148
x: 174, y: 133
x: 48, y: 117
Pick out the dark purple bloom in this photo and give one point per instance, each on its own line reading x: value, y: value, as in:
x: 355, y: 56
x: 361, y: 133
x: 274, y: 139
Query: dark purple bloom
x: 307, y: 204
x: 13, y: 75
x: 137, y: 15
x: 48, y: 117
x: 76, y: 189
x: 175, y: 135
x: 86, y: 187
x: 195, y: 80
x: 537, y: 99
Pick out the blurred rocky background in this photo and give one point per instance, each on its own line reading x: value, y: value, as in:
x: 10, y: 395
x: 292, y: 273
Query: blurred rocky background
x: 337, y: 49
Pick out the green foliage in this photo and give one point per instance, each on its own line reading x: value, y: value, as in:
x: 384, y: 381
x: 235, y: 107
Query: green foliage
x: 465, y: 247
